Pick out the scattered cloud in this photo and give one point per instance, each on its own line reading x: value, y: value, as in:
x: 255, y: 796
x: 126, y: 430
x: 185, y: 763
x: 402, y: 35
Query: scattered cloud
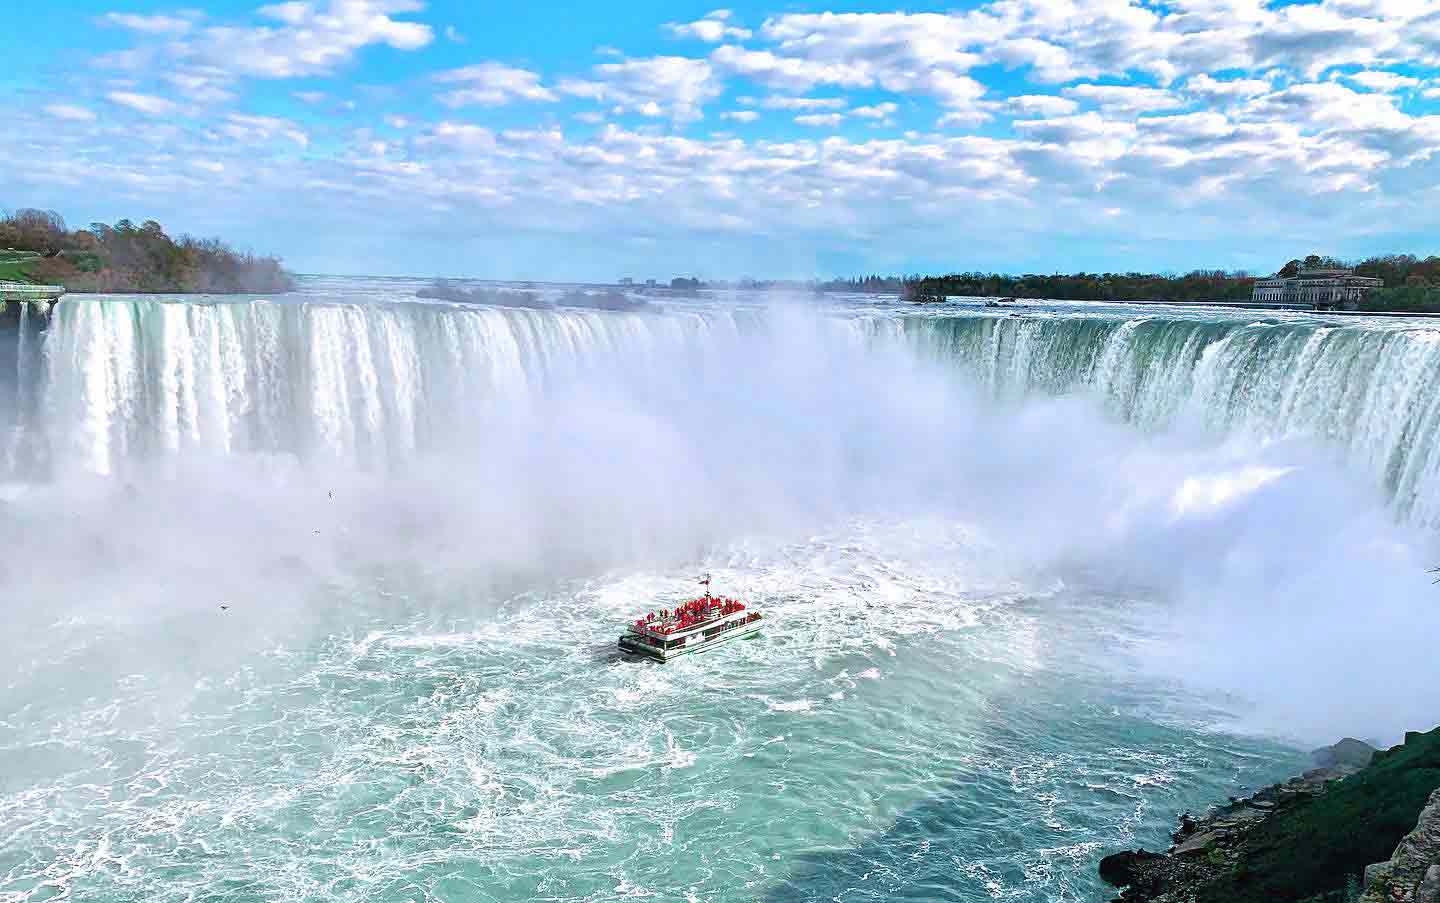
x: 1202, y: 104
x: 1383, y: 81
x: 148, y: 104
x: 295, y: 39
x: 1216, y: 90
x: 776, y: 102
x: 491, y: 85
x: 153, y: 25
x: 1125, y: 98
x: 877, y: 111
x: 1043, y: 105
x: 250, y: 129
x: 676, y: 86
x: 712, y: 29
x: 70, y: 111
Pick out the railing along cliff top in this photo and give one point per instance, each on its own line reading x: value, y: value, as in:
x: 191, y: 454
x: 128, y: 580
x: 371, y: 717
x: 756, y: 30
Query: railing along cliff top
x: 20, y: 291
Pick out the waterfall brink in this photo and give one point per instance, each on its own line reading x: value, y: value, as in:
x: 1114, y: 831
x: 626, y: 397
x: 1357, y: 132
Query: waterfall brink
x: 364, y: 385
x: 1370, y: 391
x: 373, y: 385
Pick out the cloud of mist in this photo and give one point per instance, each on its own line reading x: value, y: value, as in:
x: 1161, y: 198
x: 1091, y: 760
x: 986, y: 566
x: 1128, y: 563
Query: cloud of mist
x: 1284, y: 579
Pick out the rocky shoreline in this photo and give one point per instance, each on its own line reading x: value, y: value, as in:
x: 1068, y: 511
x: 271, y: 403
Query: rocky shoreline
x: 1312, y: 839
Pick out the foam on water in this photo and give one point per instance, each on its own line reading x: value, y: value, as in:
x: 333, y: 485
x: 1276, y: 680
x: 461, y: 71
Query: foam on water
x: 515, y: 757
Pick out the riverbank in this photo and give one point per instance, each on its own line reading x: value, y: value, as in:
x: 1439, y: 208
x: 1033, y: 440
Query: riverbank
x: 1356, y: 827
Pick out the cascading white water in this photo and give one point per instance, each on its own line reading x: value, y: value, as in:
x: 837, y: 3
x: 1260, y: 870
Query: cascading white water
x: 365, y: 385
x: 1369, y: 389
x: 370, y: 385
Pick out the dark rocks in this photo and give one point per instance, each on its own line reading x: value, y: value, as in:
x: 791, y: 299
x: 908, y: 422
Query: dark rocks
x: 1308, y: 838
x: 1121, y: 869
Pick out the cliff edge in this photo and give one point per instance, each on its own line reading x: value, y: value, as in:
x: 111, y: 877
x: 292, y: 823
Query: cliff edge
x: 1355, y: 824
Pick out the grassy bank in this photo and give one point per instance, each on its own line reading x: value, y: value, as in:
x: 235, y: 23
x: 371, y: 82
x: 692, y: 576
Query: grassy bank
x: 16, y: 267
x: 1310, y: 850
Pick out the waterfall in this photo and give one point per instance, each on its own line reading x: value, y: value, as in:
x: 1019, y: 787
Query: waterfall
x: 366, y: 385
x: 18, y: 453
x: 1371, y: 391
x: 372, y: 385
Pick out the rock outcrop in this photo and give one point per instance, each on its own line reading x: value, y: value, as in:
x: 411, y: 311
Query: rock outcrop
x: 1412, y: 874
x: 1309, y: 839
x: 1207, y: 850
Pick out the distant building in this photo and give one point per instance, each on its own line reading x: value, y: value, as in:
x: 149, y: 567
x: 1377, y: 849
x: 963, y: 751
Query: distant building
x: 1323, y: 288
x: 626, y: 280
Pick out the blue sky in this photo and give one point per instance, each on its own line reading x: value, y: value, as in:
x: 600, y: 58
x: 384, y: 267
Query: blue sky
x: 556, y: 140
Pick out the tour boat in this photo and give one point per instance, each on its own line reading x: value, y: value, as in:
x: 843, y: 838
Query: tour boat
x: 694, y: 626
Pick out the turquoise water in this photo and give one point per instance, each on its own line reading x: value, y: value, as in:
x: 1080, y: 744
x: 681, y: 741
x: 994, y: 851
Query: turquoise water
x: 904, y: 729
x: 1032, y: 590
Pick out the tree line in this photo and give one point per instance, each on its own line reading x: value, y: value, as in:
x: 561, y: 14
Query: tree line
x: 1411, y: 283
x: 124, y: 257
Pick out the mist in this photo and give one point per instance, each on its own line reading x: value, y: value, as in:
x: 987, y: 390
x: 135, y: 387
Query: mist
x: 286, y: 462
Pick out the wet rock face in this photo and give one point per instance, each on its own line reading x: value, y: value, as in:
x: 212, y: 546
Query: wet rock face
x: 1429, y: 891
x: 1412, y: 875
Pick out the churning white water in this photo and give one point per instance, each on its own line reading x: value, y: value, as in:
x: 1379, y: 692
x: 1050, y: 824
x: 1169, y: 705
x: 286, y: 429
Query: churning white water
x: 1033, y: 583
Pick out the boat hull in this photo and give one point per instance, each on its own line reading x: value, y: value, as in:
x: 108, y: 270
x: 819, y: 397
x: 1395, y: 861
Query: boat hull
x: 631, y: 644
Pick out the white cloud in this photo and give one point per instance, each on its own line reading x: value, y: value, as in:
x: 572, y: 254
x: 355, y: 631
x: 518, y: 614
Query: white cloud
x: 1042, y: 105
x: 1329, y: 105
x: 453, y: 35
x: 1149, y: 130
x: 148, y: 104
x: 964, y: 119
x: 460, y: 135
x: 712, y: 29
x: 491, y: 84
x: 1203, y: 86
x: 397, y: 122
x: 789, y: 73
x: 70, y: 112
x: 656, y: 86
x: 200, y: 83
x: 1383, y: 81
x: 1126, y: 98
x: 776, y: 102
x: 297, y: 39
x: 251, y: 129
x: 877, y: 111
x: 154, y: 25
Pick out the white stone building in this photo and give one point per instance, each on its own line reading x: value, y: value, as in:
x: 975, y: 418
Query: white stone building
x: 1324, y: 288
